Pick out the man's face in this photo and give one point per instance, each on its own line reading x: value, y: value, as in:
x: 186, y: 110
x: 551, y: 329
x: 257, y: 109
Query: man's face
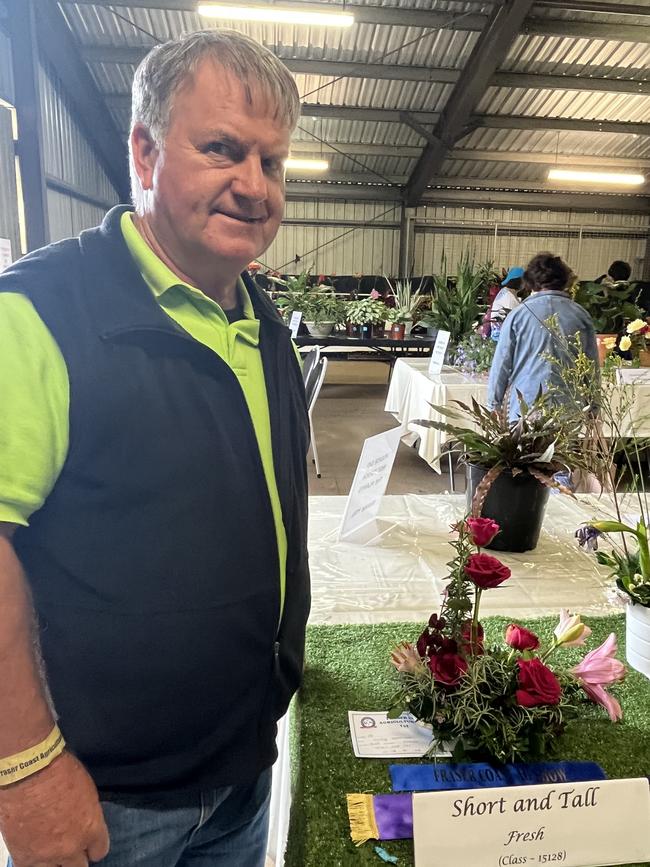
x: 218, y: 180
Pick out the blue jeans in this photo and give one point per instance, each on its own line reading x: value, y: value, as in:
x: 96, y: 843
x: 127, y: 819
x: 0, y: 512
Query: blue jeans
x: 226, y: 827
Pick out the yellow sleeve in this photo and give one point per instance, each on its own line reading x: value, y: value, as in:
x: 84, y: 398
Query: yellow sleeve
x: 34, y: 407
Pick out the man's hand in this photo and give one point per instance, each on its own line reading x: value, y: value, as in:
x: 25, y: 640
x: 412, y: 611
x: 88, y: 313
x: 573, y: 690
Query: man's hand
x: 54, y: 818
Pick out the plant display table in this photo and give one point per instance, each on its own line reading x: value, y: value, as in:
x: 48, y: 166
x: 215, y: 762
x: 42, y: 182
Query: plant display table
x: 347, y: 667
x: 340, y: 347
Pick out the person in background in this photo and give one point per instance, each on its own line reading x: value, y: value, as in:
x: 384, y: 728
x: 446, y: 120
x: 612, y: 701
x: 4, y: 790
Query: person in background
x: 153, y: 491
x: 521, y: 361
x: 506, y: 300
x: 618, y: 272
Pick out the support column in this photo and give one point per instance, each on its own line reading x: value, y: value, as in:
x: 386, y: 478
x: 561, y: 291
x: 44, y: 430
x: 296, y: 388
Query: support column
x: 645, y: 268
x: 29, y: 147
x: 406, y: 241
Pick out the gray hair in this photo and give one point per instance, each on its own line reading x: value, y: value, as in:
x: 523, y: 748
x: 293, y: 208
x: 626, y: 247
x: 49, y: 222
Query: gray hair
x: 168, y: 66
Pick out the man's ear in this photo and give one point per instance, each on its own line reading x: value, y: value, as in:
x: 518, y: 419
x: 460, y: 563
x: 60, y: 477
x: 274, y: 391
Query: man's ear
x: 144, y: 153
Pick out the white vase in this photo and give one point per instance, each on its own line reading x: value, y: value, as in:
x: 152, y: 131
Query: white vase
x: 322, y: 329
x: 637, y: 637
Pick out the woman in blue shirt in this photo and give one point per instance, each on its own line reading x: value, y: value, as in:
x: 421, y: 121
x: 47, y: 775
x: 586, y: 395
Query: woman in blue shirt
x: 528, y: 340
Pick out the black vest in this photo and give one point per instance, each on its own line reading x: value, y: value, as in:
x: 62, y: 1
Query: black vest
x: 153, y: 562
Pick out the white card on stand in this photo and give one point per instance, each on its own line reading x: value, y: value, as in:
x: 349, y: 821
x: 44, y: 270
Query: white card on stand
x: 370, y: 482
x: 438, y: 354
x: 294, y: 322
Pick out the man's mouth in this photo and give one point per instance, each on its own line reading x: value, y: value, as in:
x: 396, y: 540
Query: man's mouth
x: 242, y: 218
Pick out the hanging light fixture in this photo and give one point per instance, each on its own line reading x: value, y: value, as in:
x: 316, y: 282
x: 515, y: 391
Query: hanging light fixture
x: 309, y: 16
x: 306, y: 165
x: 614, y: 178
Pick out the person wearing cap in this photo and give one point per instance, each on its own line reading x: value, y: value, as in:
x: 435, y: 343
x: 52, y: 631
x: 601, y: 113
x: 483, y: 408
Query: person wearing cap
x: 506, y: 299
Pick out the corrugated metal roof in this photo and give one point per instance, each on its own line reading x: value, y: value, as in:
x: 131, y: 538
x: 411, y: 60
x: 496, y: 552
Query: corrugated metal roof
x: 442, y: 48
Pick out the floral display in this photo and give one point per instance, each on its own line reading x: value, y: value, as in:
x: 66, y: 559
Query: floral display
x: 637, y: 338
x: 508, y: 702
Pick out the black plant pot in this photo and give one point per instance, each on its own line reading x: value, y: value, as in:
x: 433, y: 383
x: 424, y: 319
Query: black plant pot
x: 516, y: 503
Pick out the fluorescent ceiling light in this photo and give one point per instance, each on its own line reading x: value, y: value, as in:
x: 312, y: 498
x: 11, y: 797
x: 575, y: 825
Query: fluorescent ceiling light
x: 278, y: 15
x: 306, y: 165
x: 596, y: 177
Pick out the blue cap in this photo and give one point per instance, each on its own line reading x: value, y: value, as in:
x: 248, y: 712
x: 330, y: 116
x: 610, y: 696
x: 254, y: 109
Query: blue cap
x: 513, y: 274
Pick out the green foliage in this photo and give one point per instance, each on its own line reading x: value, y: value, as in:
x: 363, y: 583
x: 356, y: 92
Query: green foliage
x: 541, y: 440
x: 455, y: 305
x: 407, y: 303
x: 609, y: 305
x: 475, y: 353
x: 317, y: 304
x: 367, y: 310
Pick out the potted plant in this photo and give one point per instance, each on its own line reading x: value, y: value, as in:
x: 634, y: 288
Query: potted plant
x: 407, y: 303
x: 508, y: 702
x: 610, y: 307
x: 455, y: 305
x: 474, y: 354
x: 320, y: 309
x: 510, y: 465
x: 364, y: 315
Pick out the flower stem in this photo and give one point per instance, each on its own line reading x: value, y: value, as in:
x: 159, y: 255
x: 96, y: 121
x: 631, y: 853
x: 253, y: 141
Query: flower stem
x: 477, y: 603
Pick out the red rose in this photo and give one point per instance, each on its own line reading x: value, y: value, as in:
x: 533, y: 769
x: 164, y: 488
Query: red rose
x: 520, y: 638
x: 423, y: 643
x: 538, y: 684
x: 482, y: 530
x: 447, y: 668
x: 486, y: 571
x: 467, y: 646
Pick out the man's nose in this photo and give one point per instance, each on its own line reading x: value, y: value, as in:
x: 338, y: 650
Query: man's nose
x: 250, y: 180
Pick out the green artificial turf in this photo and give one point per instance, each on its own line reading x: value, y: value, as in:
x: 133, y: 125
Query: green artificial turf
x: 347, y: 668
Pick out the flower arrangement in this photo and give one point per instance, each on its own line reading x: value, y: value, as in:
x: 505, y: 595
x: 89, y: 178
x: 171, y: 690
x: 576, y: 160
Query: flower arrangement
x: 474, y: 354
x: 637, y: 338
x: 502, y: 703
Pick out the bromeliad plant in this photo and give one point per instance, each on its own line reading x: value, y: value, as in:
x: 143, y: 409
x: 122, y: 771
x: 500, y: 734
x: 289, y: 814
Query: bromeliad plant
x: 502, y: 703
x: 455, y: 306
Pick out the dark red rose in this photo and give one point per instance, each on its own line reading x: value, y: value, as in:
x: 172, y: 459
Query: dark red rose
x: 482, y: 530
x: 520, y: 638
x: 447, y: 668
x: 538, y: 684
x: 422, y: 644
x: 468, y: 646
x: 486, y: 571
x: 436, y: 622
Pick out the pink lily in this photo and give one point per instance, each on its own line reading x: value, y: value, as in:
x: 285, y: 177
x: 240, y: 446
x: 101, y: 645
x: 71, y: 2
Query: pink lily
x: 570, y: 631
x: 405, y: 657
x: 598, y: 669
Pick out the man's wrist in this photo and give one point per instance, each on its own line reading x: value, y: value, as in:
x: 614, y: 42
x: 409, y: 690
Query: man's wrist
x: 30, y: 761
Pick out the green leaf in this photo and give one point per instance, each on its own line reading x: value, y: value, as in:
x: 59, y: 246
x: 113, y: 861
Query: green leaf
x: 612, y: 527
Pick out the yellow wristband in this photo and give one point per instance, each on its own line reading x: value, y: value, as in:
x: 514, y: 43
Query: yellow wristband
x: 15, y: 768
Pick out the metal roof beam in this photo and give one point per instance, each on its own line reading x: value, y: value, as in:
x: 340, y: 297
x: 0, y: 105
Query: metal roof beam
x: 58, y: 46
x: 618, y: 32
x: 480, y: 198
x: 487, y: 55
x: 596, y: 6
x: 400, y: 72
x: 122, y: 102
x: 309, y: 148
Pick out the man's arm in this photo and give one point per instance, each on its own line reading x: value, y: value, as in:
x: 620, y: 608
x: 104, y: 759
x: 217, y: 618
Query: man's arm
x: 52, y: 817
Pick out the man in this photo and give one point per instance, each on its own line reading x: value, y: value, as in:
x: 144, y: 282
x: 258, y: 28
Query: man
x: 153, y: 491
x: 618, y: 272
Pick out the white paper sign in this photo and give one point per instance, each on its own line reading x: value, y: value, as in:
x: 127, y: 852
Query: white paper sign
x: 438, y: 354
x: 370, y: 480
x: 570, y: 824
x: 374, y: 736
x: 5, y: 253
x: 294, y: 322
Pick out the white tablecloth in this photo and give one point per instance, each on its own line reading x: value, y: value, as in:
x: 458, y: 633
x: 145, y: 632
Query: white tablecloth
x: 412, y: 392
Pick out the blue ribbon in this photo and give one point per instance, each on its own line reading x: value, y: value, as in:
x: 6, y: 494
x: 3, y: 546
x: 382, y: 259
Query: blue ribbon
x: 431, y: 778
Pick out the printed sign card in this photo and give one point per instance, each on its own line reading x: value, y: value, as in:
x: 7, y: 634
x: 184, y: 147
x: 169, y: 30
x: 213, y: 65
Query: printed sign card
x: 594, y: 824
x: 370, y: 481
x: 5, y: 253
x: 374, y: 736
x: 438, y: 354
x: 294, y: 322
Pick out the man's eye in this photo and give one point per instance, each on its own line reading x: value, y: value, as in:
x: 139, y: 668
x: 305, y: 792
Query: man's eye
x: 273, y: 166
x: 220, y: 148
